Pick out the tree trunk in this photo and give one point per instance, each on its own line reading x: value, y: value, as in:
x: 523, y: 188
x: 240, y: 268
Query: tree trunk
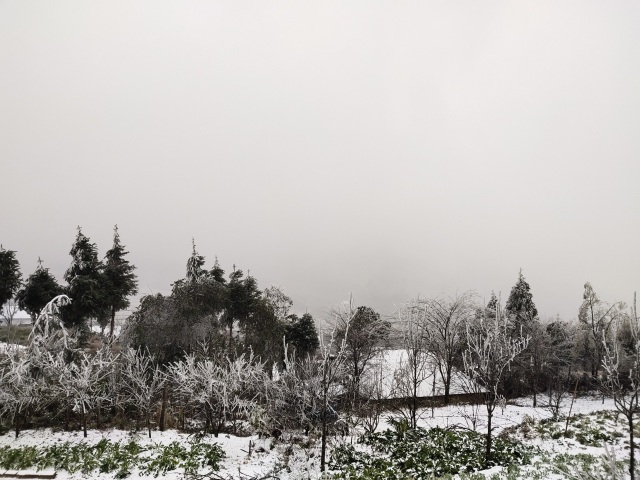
x: 149, y: 424
x: 17, y: 422
x: 323, y: 449
x: 163, y: 409
x: 84, y: 422
x: 447, y: 384
x: 487, y: 454
x: 632, y: 448
x: 113, y: 322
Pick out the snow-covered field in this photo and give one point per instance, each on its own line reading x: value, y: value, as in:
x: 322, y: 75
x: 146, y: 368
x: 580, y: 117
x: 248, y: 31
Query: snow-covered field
x: 281, y: 460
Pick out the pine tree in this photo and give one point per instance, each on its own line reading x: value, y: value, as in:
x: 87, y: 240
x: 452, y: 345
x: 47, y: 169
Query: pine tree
x: 121, y: 280
x: 217, y: 273
x: 86, y: 284
x: 10, y: 276
x: 520, y: 306
x: 40, y: 288
x: 195, y: 265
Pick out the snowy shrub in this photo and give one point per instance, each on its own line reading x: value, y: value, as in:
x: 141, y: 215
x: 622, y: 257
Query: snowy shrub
x: 221, y: 390
x: 422, y: 453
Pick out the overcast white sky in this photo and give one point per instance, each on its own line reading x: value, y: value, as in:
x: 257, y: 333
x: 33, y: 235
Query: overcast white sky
x: 384, y: 148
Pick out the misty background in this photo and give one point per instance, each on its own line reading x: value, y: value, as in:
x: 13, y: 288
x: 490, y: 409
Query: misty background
x: 388, y: 149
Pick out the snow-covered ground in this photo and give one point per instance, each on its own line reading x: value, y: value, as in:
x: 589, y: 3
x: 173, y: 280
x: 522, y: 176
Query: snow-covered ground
x: 296, y: 463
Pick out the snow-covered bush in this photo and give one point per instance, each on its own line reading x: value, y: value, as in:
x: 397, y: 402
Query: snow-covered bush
x: 141, y: 382
x: 23, y: 388
x: 81, y: 385
x: 221, y: 390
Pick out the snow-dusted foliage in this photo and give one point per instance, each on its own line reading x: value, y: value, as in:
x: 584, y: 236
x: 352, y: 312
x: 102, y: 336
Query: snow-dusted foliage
x: 23, y: 388
x: 195, y: 265
x: 142, y: 380
x: 81, y: 385
x: 221, y: 390
x: 48, y: 331
x: 490, y: 350
x: 621, y: 362
x: 278, y: 301
x: 293, y: 399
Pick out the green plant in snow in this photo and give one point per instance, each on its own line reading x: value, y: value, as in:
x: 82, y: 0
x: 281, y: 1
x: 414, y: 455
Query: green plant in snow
x: 422, y: 453
x: 108, y: 457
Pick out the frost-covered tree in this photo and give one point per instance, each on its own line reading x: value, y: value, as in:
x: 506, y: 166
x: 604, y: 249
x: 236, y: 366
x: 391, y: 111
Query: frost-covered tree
x: 278, y: 301
x: 415, y: 367
x: 621, y: 362
x: 120, y: 279
x: 39, y: 289
x: 10, y: 276
x: 446, y: 321
x: 520, y: 307
x: 491, y: 348
x: 292, y: 398
x: 81, y: 385
x: 142, y: 380
x: 49, y: 333
x: 195, y: 265
x: 22, y: 388
x: 334, y: 366
x: 596, y: 318
x: 86, y: 284
x: 220, y: 389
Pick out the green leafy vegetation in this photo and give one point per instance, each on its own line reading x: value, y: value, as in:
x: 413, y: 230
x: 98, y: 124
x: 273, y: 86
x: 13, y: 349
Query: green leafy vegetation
x: 107, y: 457
x: 422, y: 453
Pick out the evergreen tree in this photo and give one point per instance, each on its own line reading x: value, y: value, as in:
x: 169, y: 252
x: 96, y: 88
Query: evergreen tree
x: 195, y: 265
x: 217, y: 273
x: 302, y: 335
x: 523, y: 316
x: 200, y: 294
x: 520, y: 307
x: 40, y: 288
x: 86, y: 284
x: 121, y: 280
x: 10, y: 276
x: 243, y: 295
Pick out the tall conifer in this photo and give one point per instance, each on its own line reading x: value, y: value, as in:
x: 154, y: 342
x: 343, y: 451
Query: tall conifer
x: 121, y: 281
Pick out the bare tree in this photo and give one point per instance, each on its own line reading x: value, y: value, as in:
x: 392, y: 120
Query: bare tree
x: 333, y: 363
x: 621, y: 362
x: 446, y: 320
x: 9, y: 311
x: 491, y: 348
x: 414, y: 368
x: 364, y: 334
